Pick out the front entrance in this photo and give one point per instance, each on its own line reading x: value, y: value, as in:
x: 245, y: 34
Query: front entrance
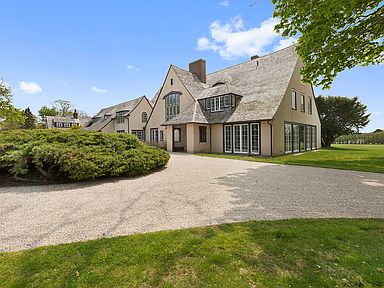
x: 179, y: 138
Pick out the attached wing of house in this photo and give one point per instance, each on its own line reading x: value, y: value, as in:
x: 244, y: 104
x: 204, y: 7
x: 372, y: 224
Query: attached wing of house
x: 129, y: 117
x: 249, y: 108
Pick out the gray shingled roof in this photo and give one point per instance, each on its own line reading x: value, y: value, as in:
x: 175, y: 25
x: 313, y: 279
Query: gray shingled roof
x: 100, y: 123
x: 262, y: 84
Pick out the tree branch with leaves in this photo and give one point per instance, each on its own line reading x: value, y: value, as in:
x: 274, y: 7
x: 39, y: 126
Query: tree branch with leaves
x: 333, y: 35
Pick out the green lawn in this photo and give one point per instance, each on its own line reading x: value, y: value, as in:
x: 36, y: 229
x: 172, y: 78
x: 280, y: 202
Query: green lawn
x: 369, y: 158
x: 289, y: 253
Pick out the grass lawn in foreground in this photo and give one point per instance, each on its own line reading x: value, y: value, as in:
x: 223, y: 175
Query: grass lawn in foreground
x: 369, y: 158
x: 288, y: 253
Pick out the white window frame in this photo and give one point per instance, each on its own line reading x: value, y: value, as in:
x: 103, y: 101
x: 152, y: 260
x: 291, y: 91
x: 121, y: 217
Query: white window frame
x: 241, y: 151
x: 230, y: 138
x: 251, y: 138
x: 139, y: 134
x: 309, y: 105
x: 308, y: 139
x: 154, y: 135
x: 294, y: 99
x: 293, y: 138
x: 302, y: 102
x: 288, y: 139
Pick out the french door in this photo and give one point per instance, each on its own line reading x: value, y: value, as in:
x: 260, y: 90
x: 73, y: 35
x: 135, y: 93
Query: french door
x: 240, y: 138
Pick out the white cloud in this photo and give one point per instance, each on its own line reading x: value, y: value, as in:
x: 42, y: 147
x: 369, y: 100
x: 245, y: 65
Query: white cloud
x: 98, y: 90
x: 225, y: 3
x: 30, y: 87
x: 283, y: 43
x: 133, y: 68
x: 233, y: 39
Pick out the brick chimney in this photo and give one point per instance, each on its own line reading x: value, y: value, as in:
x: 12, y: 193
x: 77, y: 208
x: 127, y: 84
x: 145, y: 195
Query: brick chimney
x: 199, y: 68
x: 255, y: 57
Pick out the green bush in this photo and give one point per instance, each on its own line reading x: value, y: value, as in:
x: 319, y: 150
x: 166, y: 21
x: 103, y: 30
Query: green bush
x: 76, y: 155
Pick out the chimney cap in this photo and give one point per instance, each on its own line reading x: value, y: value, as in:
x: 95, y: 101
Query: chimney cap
x: 255, y: 57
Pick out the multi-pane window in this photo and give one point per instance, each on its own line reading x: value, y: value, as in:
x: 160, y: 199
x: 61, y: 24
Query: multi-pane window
x: 314, y: 137
x: 302, y: 103
x: 154, y: 135
x: 288, y: 138
x: 308, y: 134
x: 202, y: 134
x: 144, y: 117
x: 302, y: 138
x: 172, y: 106
x: 295, y: 138
x: 120, y: 117
x: 255, y: 138
x: 240, y: 138
x: 139, y: 134
x: 161, y: 135
x: 217, y: 104
x: 67, y: 125
x: 309, y: 105
x: 228, y: 138
x: 294, y: 99
x: 227, y: 100
x: 59, y: 124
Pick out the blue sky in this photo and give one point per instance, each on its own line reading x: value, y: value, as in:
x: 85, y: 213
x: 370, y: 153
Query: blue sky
x: 99, y: 53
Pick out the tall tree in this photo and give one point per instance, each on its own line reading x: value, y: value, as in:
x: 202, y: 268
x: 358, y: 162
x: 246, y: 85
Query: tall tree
x: 10, y: 117
x: 30, y: 119
x: 63, y: 106
x: 340, y: 116
x: 333, y: 35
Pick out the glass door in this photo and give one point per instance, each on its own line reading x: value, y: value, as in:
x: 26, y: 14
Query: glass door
x: 240, y: 138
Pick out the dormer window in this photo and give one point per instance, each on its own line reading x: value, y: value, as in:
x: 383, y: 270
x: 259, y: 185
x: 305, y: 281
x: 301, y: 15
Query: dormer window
x: 120, y: 119
x: 217, y: 104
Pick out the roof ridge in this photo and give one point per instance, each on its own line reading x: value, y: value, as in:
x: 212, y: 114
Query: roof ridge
x: 250, y: 60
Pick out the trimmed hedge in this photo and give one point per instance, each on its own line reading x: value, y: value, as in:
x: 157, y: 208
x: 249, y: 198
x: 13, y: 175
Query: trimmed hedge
x: 76, y: 155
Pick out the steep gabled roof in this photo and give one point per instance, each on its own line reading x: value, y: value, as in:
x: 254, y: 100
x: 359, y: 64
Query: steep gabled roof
x: 261, y: 82
x: 100, y: 121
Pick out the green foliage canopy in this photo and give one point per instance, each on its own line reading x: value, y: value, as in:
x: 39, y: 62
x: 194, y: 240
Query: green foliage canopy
x: 340, y: 116
x: 77, y: 155
x: 10, y: 117
x: 333, y: 35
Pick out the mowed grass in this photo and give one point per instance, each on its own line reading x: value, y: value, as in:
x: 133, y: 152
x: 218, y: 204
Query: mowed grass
x: 369, y: 158
x: 288, y: 253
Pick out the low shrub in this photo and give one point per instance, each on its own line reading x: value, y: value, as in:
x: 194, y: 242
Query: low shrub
x: 76, y: 155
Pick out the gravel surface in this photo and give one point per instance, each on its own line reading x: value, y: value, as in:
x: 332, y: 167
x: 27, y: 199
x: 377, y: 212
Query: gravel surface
x: 191, y: 191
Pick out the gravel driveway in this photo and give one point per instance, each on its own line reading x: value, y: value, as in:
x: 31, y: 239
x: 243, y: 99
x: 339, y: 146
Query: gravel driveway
x: 192, y: 191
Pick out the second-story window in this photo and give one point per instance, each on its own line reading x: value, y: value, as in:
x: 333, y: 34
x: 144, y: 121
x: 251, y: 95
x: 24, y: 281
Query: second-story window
x: 144, y: 117
x: 294, y: 100
x: 302, y: 103
x: 172, y: 106
x: 217, y: 104
x: 120, y: 117
x: 309, y: 105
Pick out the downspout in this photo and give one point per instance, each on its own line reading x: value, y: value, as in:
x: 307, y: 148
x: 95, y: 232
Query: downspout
x: 270, y: 131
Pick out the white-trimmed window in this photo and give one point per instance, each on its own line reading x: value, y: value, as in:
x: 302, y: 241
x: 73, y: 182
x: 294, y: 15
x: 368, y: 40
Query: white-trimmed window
x: 161, y: 135
x: 172, y: 106
x: 294, y: 99
x: 288, y: 138
x: 59, y: 124
x: 240, y: 138
x: 302, y: 102
x: 302, y: 138
x: 228, y: 139
x: 309, y: 105
x: 154, y: 135
x: 254, y: 129
x: 227, y: 100
x: 308, y: 134
x: 67, y: 125
x: 295, y: 138
x: 314, y: 137
x: 217, y: 104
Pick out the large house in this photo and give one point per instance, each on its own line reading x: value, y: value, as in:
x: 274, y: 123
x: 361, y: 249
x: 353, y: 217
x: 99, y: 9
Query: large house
x: 259, y: 107
x: 64, y: 122
x: 128, y: 117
